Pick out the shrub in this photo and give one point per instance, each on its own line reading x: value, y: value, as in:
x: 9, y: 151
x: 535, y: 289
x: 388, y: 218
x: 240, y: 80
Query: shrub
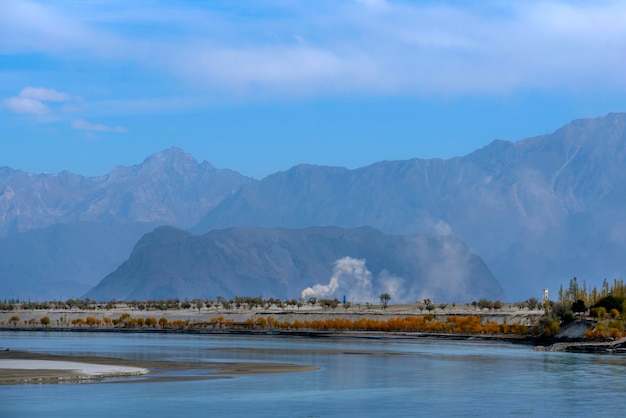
x: 610, y: 302
x: 563, y: 311
x: 484, y: 303
x: 550, y: 326
x: 599, y: 312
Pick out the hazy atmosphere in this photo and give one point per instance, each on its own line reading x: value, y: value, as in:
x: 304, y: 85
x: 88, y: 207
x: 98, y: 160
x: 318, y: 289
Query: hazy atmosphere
x: 312, y: 208
x: 494, y: 125
x: 259, y: 87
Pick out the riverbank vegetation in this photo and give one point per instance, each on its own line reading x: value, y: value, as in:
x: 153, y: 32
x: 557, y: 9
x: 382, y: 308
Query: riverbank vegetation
x: 429, y: 323
x: 267, y: 315
x: 605, y: 306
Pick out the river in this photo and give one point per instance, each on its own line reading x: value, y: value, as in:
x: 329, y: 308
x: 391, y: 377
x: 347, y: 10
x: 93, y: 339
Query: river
x: 357, y: 378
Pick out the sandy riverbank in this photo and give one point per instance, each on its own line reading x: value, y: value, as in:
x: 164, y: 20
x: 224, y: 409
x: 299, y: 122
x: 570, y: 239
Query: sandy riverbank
x: 18, y: 367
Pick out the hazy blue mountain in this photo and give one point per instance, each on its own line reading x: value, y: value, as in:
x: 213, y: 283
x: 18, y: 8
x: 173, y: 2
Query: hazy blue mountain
x: 169, y: 187
x: 63, y: 260
x: 281, y: 263
x: 540, y: 211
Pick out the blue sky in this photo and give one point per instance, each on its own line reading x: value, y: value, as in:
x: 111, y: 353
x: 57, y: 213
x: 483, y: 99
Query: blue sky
x: 259, y: 86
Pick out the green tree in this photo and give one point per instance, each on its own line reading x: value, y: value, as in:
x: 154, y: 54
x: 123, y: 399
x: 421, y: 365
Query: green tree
x: 199, y: 304
x: 609, y: 302
x: 384, y: 299
x: 579, y: 306
x: 485, y: 303
x: 563, y: 311
x: 533, y: 303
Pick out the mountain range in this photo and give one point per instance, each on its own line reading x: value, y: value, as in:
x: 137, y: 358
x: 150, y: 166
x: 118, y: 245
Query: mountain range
x: 169, y: 187
x: 538, y: 211
x: 60, y: 234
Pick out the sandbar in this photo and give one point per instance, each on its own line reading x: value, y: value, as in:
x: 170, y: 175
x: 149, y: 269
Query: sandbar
x: 41, y: 371
x: 19, y: 367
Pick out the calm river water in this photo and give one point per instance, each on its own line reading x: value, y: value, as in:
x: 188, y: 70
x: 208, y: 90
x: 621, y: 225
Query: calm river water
x: 358, y: 378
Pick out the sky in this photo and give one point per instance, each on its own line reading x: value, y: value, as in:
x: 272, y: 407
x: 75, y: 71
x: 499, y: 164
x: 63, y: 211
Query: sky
x: 259, y: 86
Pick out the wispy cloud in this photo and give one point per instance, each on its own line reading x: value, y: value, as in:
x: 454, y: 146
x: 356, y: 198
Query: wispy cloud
x: 46, y: 95
x: 53, y: 106
x: 329, y: 47
x: 83, y: 125
x: 25, y: 105
x: 30, y: 100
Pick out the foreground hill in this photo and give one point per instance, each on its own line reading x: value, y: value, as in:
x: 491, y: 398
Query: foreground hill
x: 360, y: 263
x: 539, y: 211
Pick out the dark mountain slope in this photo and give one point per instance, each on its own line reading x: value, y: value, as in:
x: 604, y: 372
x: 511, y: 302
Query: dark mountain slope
x: 283, y: 262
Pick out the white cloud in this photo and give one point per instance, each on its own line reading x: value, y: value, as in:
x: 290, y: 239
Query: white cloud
x: 45, y: 95
x: 364, y: 46
x: 83, y: 125
x: 25, y: 105
x: 30, y: 100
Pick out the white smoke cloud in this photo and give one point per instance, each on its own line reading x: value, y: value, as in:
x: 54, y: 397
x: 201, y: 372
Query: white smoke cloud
x: 444, y: 276
x: 321, y: 290
x: 442, y: 228
x: 446, y: 279
x: 350, y: 278
x: 393, y: 285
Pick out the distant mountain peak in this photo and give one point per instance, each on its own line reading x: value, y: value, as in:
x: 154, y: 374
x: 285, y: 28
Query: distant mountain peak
x: 172, y: 156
